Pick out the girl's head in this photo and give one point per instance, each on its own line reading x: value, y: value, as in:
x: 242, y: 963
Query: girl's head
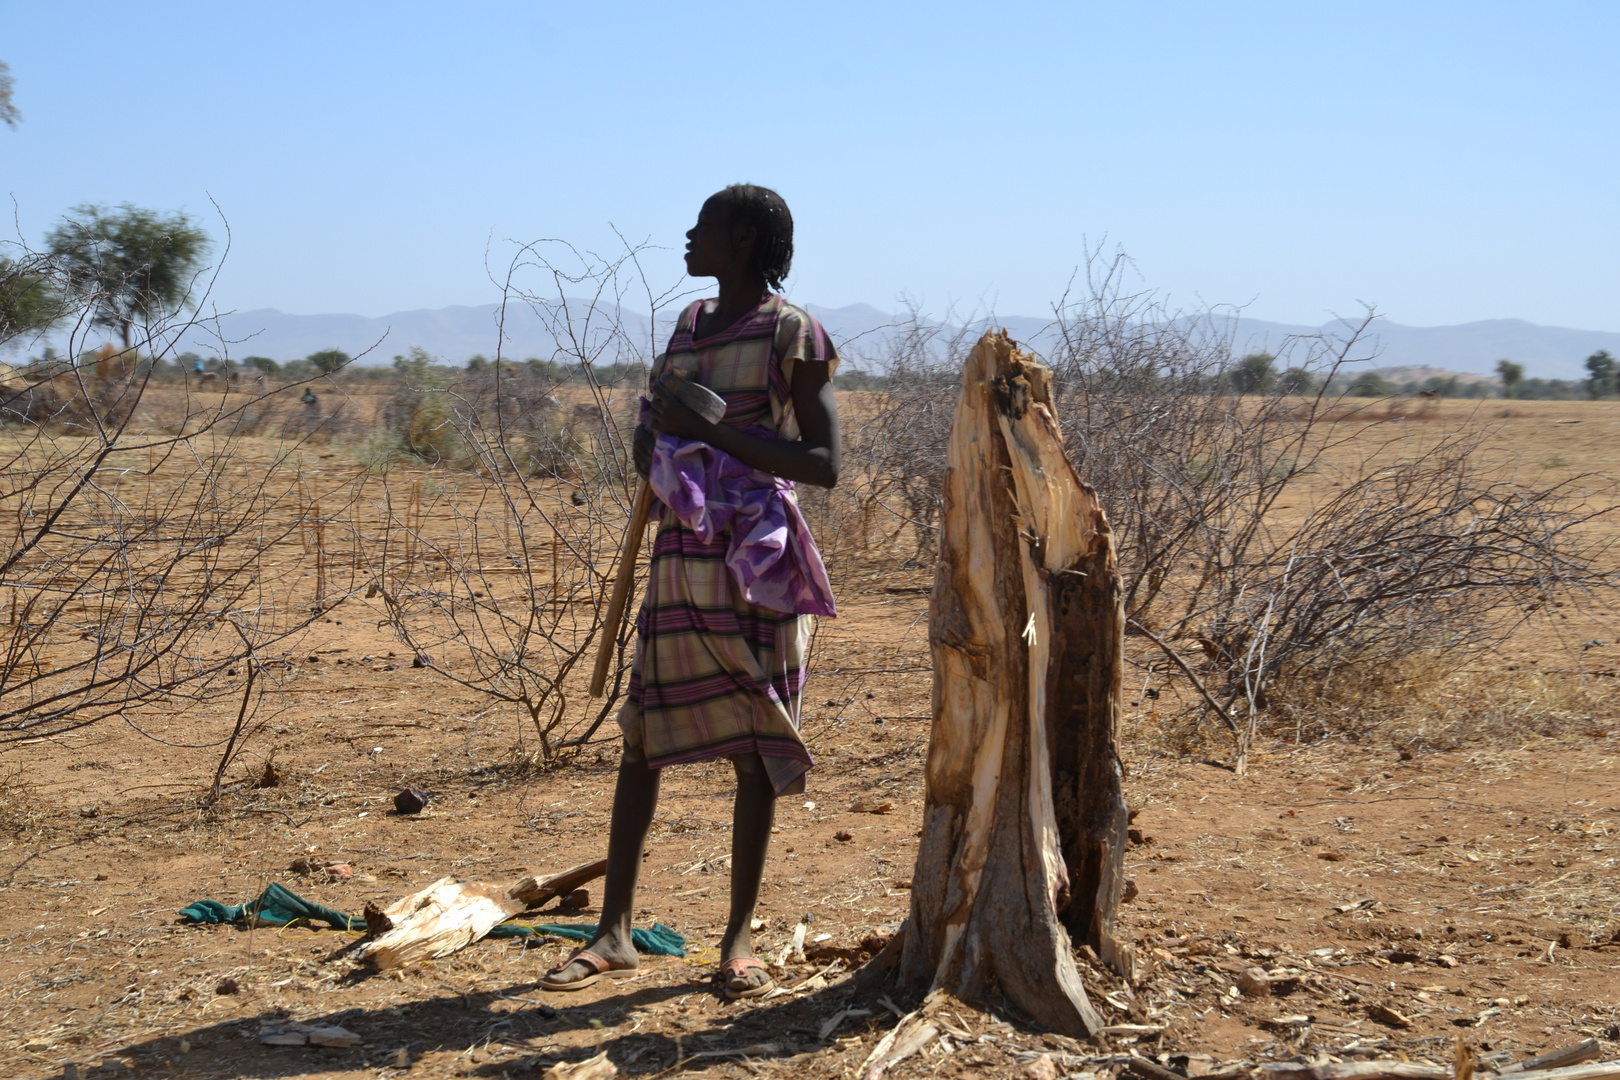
x: 743, y: 229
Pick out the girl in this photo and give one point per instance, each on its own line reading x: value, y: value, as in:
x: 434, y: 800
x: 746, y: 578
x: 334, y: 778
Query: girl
x: 736, y: 580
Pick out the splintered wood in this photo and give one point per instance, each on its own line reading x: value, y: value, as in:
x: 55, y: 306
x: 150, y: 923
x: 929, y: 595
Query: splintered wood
x: 451, y: 914
x: 446, y: 916
x: 1024, y: 824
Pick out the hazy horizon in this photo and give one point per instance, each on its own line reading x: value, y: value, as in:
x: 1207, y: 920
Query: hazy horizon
x: 456, y: 332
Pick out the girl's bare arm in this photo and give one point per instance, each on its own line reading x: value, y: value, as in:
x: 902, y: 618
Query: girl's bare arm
x: 814, y: 459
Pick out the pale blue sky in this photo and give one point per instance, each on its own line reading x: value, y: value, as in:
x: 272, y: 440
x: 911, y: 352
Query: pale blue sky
x: 1449, y: 162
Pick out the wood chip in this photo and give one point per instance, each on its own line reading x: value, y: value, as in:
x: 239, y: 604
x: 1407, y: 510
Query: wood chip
x: 915, y: 1038
x: 1287, y: 1023
x: 293, y: 1033
x: 1254, y: 983
x: 1386, y: 1015
x: 1603, y: 1070
x: 1150, y: 1070
x: 595, y: 1068
x: 1368, y: 1070
x: 1554, y: 1059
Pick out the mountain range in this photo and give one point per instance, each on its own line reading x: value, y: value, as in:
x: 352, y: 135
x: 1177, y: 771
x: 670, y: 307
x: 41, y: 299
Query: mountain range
x: 456, y: 333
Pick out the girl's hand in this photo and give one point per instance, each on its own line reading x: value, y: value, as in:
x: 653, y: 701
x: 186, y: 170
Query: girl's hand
x: 641, y: 448
x: 671, y: 417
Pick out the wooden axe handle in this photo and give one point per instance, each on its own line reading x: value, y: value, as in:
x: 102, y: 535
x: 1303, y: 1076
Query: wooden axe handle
x: 621, y: 587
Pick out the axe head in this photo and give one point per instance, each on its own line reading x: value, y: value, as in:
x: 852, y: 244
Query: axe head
x: 695, y: 396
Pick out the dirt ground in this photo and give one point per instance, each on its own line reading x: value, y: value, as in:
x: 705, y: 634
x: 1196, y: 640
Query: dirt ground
x: 1400, y: 893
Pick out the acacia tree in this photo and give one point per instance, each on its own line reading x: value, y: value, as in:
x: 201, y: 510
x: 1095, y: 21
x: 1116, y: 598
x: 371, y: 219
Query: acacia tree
x: 128, y: 266
x: 1511, y: 375
x: 1601, y: 370
x: 328, y: 360
x: 1255, y: 374
x: 30, y: 295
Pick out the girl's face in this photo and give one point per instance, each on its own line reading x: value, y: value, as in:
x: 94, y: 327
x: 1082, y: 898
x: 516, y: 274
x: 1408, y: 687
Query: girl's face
x: 715, y: 247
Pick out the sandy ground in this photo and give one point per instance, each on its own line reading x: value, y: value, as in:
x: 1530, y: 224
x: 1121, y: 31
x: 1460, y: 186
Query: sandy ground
x: 1398, y: 896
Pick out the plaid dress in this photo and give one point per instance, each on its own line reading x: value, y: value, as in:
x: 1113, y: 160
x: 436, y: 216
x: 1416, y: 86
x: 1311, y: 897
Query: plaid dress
x: 716, y: 676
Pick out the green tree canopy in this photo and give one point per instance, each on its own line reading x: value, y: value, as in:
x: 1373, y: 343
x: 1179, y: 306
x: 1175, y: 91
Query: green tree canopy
x: 129, y: 266
x: 328, y: 360
x: 30, y: 296
x: 548, y: 370
x: 1255, y: 374
x: 421, y: 370
x: 1296, y: 381
x: 1511, y: 375
x: 1601, y: 369
x: 261, y: 363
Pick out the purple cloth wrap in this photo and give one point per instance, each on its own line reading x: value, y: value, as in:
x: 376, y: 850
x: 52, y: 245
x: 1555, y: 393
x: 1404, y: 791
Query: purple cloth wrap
x: 771, y: 554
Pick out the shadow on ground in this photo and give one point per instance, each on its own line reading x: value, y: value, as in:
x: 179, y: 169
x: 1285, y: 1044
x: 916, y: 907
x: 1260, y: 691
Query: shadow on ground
x: 481, y: 1027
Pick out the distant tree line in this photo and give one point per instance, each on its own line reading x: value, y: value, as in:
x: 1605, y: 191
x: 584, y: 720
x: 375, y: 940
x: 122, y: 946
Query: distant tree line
x: 129, y: 268
x: 1257, y: 374
x: 418, y: 367
x: 1602, y: 381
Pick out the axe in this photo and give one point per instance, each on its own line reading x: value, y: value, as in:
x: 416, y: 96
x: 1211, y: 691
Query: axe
x: 707, y: 404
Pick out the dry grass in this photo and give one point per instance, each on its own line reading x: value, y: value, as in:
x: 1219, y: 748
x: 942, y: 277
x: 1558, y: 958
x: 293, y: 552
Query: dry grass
x: 20, y: 806
x: 1424, y: 703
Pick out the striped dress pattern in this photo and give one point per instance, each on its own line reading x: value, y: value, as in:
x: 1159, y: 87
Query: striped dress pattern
x: 714, y: 675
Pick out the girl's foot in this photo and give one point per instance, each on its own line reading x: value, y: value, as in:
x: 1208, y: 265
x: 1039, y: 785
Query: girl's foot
x: 745, y: 977
x: 604, y: 959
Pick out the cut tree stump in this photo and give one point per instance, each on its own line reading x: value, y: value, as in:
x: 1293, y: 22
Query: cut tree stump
x: 1024, y: 819
x: 451, y: 914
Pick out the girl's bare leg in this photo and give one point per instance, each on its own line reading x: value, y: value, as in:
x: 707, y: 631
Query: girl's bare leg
x: 752, y: 816
x: 634, y: 800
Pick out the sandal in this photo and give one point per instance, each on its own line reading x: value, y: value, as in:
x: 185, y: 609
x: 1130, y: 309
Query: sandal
x: 736, y: 968
x: 603, y: 969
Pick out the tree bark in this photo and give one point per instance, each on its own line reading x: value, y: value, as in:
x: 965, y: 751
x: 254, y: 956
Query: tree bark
x: 1024, y: 819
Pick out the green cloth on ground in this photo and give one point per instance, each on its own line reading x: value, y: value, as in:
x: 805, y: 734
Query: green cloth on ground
x: 278, y: 906
x: 659, y: 940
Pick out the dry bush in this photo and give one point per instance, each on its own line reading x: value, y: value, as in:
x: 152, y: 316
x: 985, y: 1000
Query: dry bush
x: 132, y: 543
x: 900, y: 449
x: 883, y: 517
x: 1423, y: 702
x: 498, y: 573
x: 1265, y: 540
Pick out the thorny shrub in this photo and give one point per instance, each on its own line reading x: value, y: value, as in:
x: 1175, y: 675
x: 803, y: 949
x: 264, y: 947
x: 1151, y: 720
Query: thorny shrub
x: 131, y: 556
x: 498, y: 578
x: 1267, y: 542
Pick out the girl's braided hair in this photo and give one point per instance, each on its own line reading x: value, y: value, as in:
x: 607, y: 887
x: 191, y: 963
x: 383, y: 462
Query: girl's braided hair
x: 764, y: 209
